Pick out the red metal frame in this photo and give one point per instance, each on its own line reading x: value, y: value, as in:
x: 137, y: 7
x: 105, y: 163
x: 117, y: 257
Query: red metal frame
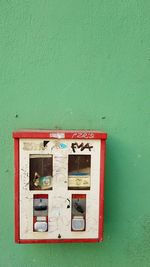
x: 102, y: 172
x: 16, y: 190
x: 54, y: 134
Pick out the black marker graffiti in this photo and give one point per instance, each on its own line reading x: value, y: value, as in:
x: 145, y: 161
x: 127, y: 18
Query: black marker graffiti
x: 81, y: 146
x: 45, y: 143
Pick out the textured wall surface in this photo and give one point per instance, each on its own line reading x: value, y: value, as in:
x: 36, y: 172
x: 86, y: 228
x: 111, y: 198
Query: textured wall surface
x: 80, y: 65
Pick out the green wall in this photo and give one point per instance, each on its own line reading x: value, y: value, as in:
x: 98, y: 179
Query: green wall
x: 80, y: 64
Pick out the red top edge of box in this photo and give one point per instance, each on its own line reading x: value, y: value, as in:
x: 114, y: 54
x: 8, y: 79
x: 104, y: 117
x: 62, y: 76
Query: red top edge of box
x: 60, y: 134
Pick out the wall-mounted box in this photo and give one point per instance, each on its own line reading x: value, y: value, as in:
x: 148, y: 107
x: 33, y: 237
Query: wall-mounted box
x: 59, y: 186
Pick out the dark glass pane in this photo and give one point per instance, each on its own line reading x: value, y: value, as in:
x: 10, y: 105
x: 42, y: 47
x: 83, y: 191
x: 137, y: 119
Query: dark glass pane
x: 79, y: 170
x: 41, y: 172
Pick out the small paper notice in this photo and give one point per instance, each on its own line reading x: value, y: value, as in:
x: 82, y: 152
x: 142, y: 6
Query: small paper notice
x: 57, y: 135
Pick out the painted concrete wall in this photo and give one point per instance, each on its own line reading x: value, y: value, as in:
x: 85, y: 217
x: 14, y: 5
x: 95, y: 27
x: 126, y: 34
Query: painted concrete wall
x: 80, y: 65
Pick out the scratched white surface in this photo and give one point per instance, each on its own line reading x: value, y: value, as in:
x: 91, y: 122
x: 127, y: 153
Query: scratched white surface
x: 59, y: 216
